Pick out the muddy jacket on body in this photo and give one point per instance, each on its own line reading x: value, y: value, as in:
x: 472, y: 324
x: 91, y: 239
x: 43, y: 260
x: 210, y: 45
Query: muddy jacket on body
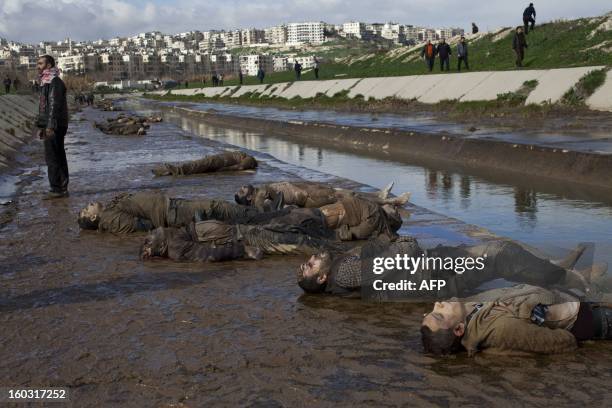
x: 364, y: 219
x: 181, y: 244
x: 53, y: 106
x: 271, y: 239
x: 503, y: 323
x: 226, y: 161
x: 143, y: 211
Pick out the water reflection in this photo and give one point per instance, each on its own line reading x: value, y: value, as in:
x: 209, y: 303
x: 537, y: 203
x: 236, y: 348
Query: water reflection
x: 543, y: 216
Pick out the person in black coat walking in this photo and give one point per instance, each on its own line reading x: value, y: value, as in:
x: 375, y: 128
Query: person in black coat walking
x: 444, y: 52
x: 529, y: 17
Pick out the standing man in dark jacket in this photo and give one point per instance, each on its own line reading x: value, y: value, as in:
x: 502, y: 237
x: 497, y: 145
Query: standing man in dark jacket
x: 52, y: 123
x: 298, y: 70
x: 7, y: 84
x: 444, y: 52
x: 529, y: 17
x: 429, y: 54
x: 519, y: 43
x: 462, y: 54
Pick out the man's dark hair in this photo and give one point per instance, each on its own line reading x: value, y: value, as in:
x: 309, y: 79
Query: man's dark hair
x: 440, y: 342
x: 87, y: 223
x: 49, y: 60
x: 311, y: 284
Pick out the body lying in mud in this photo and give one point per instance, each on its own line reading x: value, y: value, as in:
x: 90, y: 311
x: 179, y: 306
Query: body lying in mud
x: 210, y: 241
x: 107, y: 105
x: 226, y: 161
x: 515, y: 320
x: 127, y: 125
x: 128, y: 213
x: 351, y: 274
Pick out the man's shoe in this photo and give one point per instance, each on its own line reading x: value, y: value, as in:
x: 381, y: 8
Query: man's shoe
x: 52, y: 195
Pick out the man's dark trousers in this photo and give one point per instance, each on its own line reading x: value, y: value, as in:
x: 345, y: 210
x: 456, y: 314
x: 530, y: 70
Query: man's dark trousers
x: 464, y: 60
x: 444, y: 62
x: 430, y: 63
x: 526, y: 21
x: 57, y: 165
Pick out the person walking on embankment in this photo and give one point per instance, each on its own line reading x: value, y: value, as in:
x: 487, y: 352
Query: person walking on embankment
x: 429, y: 54
x: 519, y: 43
x: 529, y: 17
x: 444, y: 52
x: 52, y: 123
x: 462, y: 54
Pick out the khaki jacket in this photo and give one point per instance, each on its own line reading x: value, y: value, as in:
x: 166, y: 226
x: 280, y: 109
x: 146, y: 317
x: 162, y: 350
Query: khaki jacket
x: 503, y: 324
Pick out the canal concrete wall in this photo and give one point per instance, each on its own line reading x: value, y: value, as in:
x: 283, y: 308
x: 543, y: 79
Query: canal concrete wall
x: 17, y: 115
x: 432, y: 88
x: 602, y: 98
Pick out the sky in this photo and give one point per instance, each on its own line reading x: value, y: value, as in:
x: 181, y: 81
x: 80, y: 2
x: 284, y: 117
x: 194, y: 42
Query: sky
x: 32, y: 21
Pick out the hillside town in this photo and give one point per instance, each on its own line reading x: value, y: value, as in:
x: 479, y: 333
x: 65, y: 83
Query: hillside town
x: 135, y: 61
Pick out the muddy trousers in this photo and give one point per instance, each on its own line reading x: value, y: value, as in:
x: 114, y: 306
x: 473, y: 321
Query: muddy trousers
x: 461, y: 59
x: 594, y: 322
x: 57, y: 165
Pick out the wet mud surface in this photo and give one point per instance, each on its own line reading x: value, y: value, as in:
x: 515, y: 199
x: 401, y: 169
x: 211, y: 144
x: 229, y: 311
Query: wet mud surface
x: 78, y: 309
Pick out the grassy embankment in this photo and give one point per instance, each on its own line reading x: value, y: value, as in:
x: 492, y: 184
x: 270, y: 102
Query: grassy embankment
x: 552, y: 45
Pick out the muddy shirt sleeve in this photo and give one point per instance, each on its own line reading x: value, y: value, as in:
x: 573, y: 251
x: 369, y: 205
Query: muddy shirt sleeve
x: 512, y: 334
x: 118, y: 222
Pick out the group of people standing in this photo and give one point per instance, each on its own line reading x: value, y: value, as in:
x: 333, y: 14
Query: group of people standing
x: 444, y: 51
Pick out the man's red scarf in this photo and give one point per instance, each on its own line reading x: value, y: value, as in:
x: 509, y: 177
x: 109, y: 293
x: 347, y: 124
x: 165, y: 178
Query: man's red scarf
x: 48, y: 74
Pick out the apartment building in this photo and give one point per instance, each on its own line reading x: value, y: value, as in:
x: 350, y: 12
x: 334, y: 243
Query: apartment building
x: 305, y: 33
x: 276, y: 34
x: 354, y: 29
x: 249, y: 64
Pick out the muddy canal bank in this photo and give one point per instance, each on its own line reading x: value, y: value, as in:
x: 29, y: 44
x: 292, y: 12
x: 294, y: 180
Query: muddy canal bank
x: 78, y: 309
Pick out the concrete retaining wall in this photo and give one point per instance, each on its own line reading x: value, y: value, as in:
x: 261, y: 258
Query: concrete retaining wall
x: 249, y: 88
x: 467, y: 86
x: 17, y: 114
x: 555, y: 82
x: 499, y: 83
x: 602, y: 98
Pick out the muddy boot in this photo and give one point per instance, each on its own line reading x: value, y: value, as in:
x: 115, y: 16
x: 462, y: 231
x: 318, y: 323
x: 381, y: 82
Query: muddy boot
x: 595, y: 272
x: 570, y: 261
x: 400, y: 200
x: 384, y: 193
